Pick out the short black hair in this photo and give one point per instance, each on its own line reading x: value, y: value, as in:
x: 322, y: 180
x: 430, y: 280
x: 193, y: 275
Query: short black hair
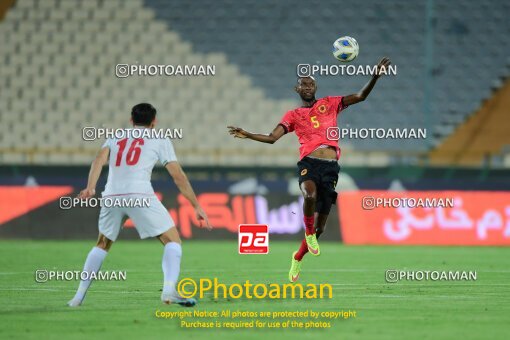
x: 143, y: 114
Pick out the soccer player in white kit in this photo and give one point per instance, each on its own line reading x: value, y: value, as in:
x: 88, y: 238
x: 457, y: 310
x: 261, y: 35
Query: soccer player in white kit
x: 130, y: 166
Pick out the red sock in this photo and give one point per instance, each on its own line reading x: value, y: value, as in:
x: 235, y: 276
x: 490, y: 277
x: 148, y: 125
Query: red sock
x: 303, y: 249
x: 309, y: 228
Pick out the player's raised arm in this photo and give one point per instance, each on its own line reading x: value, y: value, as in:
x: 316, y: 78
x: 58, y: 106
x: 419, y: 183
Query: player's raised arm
x: 270, y: 138
x: 184, y: 186
x: 365, y: 91
x: 95, y: 172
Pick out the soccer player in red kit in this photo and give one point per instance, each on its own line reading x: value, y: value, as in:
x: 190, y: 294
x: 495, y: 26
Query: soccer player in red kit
x: 318, y: 166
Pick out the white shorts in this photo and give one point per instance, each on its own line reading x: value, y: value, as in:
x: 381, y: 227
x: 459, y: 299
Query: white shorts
x: 149, y: 221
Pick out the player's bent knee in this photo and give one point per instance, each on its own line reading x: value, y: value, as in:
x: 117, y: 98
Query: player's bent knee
x: 308, y: 189
x: 171, y: 235
x: 310, y: 197
x: 103, y: 242
x: 166, y: 239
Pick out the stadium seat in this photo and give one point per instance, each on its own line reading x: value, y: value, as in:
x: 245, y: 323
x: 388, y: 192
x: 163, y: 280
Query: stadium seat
x: 60, y: 65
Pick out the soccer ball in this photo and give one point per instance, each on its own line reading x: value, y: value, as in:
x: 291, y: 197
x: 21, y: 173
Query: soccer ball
x: 345, y: 49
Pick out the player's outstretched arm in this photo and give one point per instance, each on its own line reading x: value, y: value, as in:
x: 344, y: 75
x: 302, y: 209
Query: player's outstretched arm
x: 94, y: 173
x: 184, y: 186
x: 365, y: 91
x: 270, y: 138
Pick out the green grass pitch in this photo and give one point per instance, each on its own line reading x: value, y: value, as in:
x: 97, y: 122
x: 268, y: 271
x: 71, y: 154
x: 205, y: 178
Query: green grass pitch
x: 126, y: 309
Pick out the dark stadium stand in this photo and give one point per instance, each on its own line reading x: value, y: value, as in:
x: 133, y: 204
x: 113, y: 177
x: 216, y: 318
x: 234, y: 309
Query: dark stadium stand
x: 59, y: 72
x: 468, y: 58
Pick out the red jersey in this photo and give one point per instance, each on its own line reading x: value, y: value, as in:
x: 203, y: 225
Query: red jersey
x: 311, y: 124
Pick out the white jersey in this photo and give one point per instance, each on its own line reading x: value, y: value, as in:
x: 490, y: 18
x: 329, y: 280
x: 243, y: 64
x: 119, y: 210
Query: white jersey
x: 131, y: 163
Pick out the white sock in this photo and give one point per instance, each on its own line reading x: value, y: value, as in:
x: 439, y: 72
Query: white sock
x: 171, y: 266
x: 93, y: 263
